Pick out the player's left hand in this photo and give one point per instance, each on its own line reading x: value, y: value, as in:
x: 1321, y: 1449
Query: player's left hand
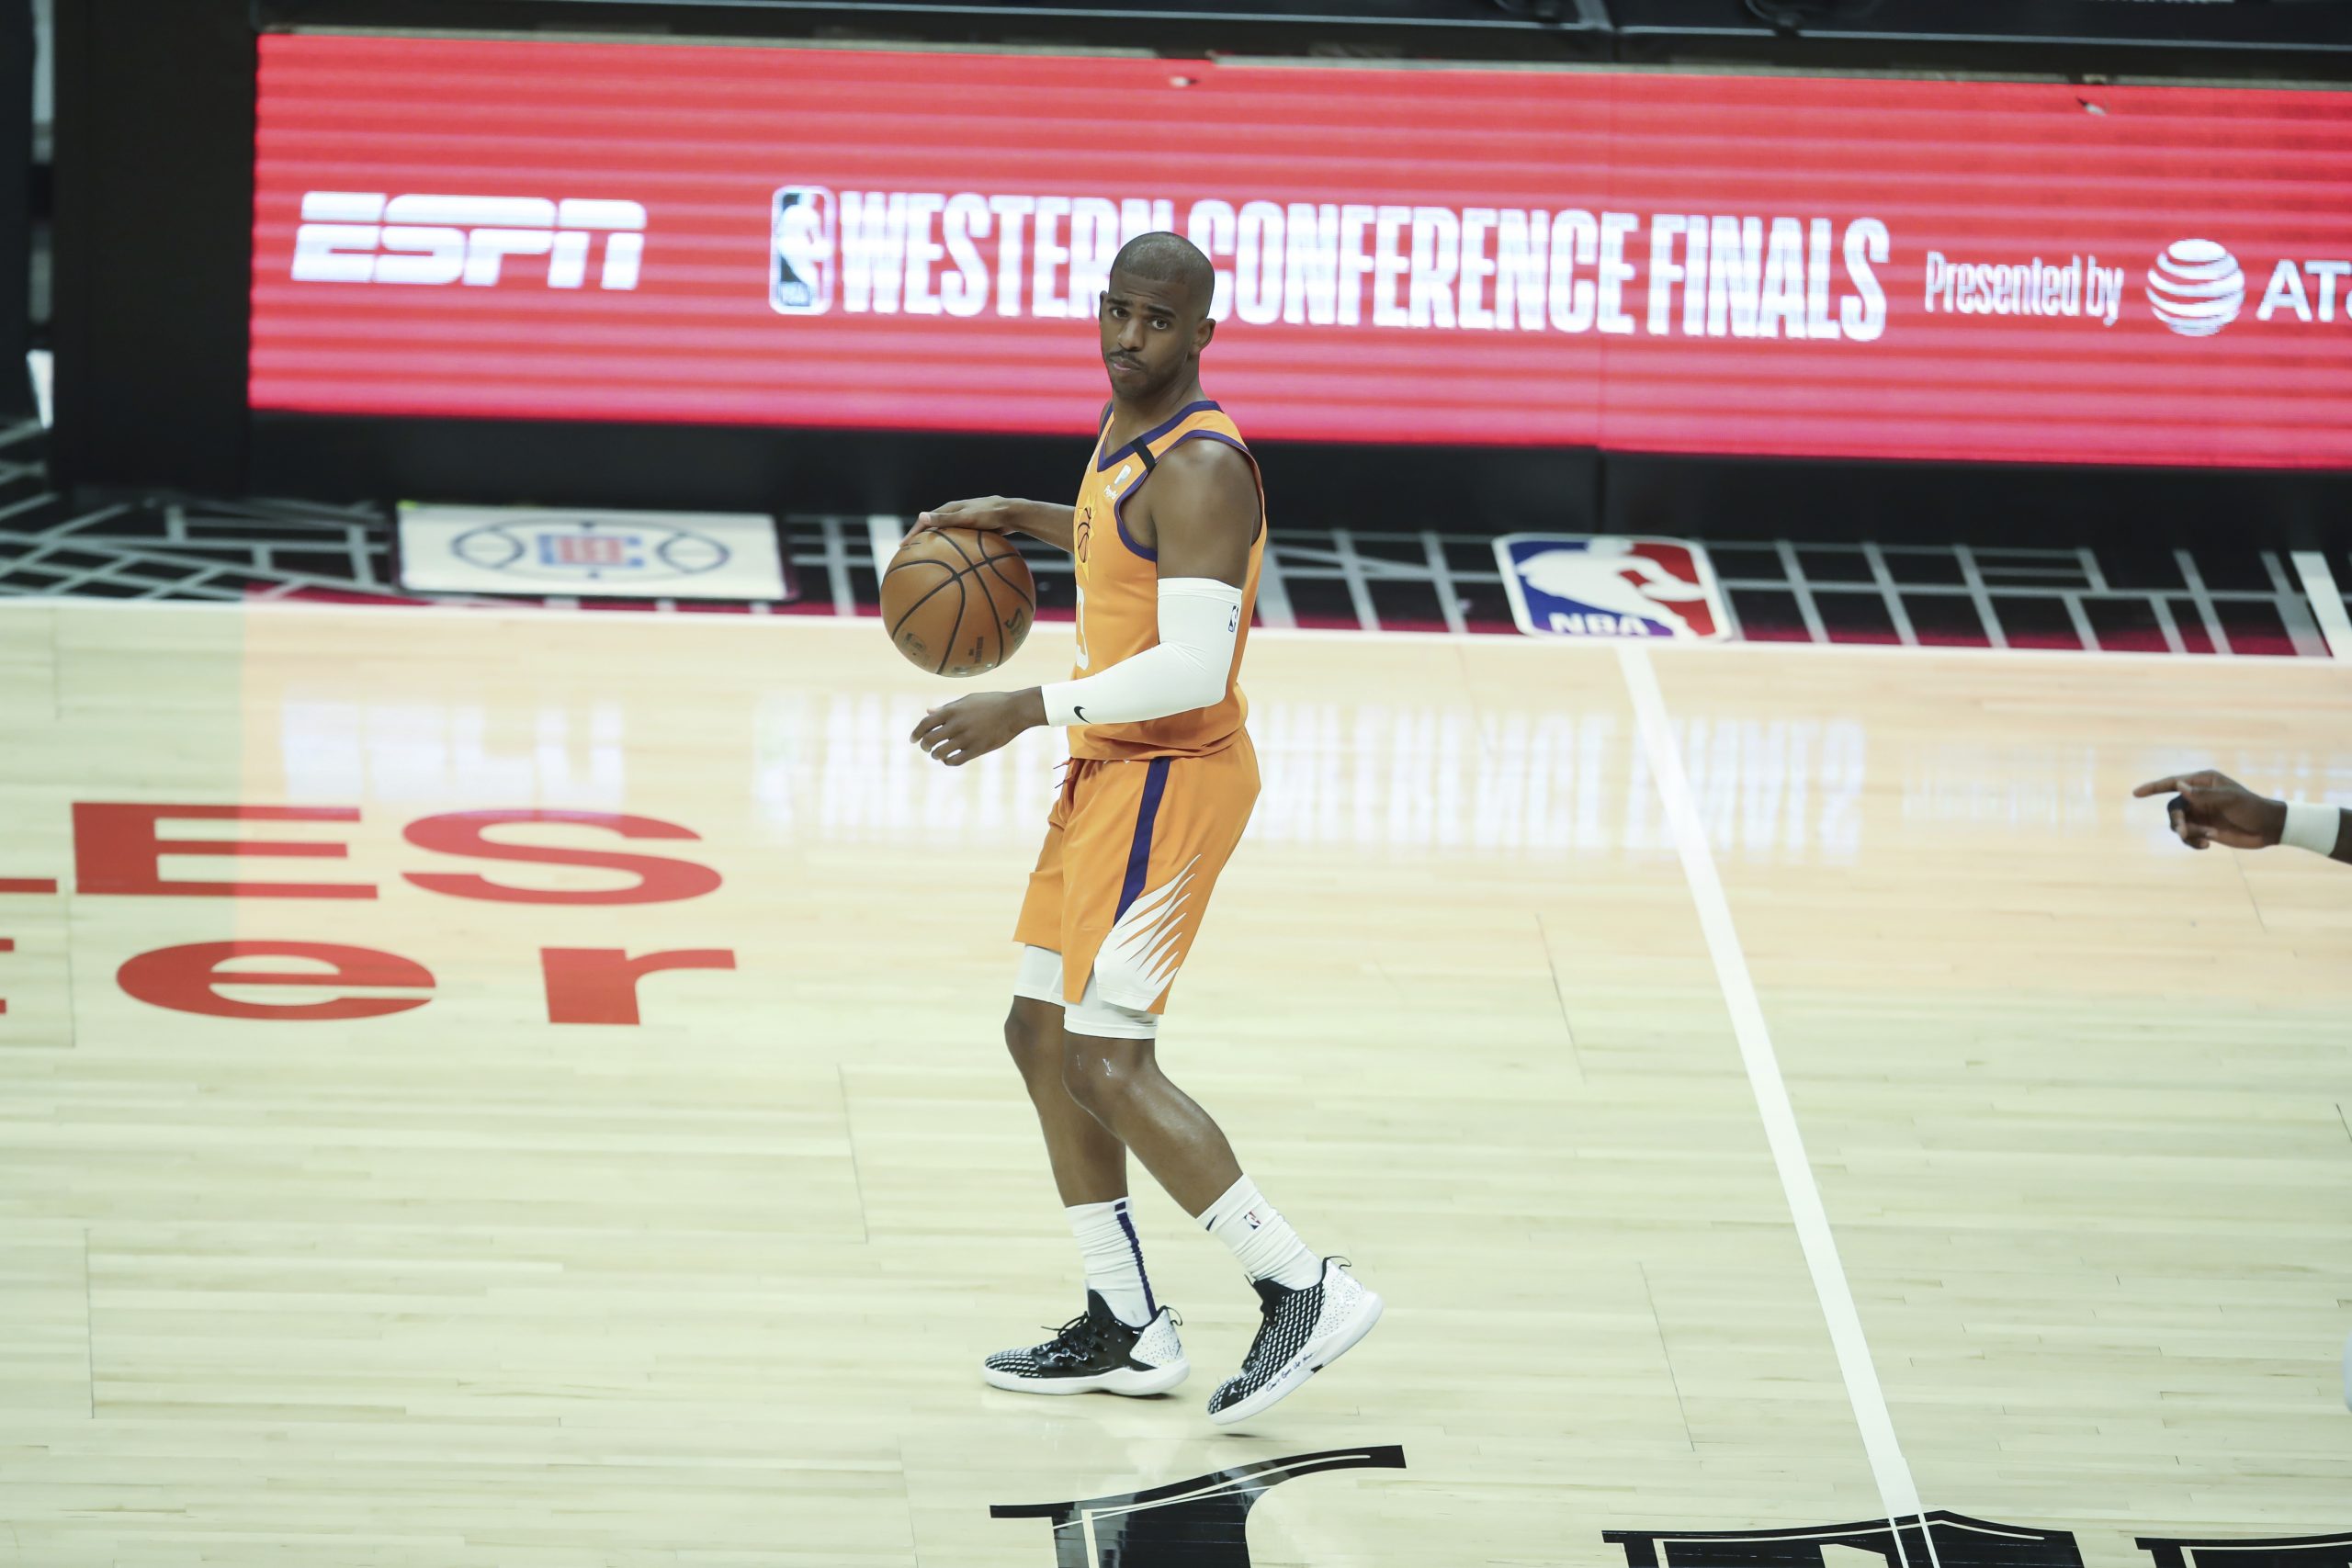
x: 955, y: 732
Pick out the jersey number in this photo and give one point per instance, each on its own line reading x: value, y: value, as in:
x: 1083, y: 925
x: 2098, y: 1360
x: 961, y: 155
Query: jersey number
x: 1083, y: 661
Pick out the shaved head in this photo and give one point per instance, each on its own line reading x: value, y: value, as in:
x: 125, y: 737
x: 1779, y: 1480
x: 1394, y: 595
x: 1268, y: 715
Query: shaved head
x: 1154, y: 319
x: 1163, y: 257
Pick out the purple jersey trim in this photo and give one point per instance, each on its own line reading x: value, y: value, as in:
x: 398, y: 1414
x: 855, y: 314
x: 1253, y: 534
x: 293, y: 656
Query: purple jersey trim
x: 1118, y: 515
x: 1155, y: 781
x: 1119, y: 507
x: 1149, y: 437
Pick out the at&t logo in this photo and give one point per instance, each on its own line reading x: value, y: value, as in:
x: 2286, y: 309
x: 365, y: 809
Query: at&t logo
x: 2196, y: 288
x: 351, y: 236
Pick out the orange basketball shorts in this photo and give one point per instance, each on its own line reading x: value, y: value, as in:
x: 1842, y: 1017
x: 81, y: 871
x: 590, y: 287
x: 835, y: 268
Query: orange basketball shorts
x: 1131, y: 853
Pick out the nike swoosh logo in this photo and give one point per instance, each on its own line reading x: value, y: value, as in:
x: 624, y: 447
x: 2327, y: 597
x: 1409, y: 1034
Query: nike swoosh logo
x: 1079, y: 711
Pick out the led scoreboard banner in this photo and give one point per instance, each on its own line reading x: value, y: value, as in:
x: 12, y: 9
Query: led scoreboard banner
x: 811, y: 238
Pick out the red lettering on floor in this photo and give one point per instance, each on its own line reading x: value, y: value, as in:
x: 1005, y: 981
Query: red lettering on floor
x: 598, y: 985
x: 660, y: 880
x: 116, y: 851
x: 188, y: 978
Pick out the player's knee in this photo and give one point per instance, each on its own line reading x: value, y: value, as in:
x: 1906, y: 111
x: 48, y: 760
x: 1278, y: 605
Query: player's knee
x: 1090, y: 1079
x: 1033, y: 1034
x: 1102, y: 1075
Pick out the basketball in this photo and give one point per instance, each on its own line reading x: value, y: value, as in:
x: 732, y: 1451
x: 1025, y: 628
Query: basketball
x: 957, y: 601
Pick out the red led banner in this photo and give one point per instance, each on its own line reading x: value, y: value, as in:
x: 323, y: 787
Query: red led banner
x: 833, y: 237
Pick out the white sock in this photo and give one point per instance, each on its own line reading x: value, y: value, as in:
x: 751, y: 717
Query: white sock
x: 1260, y: 1239
x: 1113, y: 1256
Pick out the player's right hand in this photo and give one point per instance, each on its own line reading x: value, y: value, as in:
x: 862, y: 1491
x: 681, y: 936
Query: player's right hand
x: 2214, y: 809
x: 987, y: 513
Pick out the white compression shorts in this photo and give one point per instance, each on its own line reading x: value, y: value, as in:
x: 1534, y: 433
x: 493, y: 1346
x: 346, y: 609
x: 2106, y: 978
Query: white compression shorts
x: 1040, y: 979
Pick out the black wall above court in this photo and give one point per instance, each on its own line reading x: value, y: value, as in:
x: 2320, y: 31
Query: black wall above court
x: 153, y: 206
x: 1481, y: 490
x: 2295, y: 39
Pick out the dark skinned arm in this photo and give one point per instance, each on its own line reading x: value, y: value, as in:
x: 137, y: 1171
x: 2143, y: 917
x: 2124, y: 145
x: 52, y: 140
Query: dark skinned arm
x: 1202, y: 505
x: 1201, y: 510
x: 2210, y: 808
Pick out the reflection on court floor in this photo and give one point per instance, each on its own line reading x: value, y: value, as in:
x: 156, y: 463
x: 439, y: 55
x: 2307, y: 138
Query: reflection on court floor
x: 1368, y: 775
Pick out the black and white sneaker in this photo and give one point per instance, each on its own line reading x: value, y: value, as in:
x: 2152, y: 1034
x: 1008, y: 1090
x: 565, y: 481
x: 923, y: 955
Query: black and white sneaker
x: 1096, y: 1353
x: 1303, y: 1332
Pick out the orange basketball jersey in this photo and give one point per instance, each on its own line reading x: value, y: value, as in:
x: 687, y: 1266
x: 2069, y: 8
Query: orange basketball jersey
x: 1118, y: 591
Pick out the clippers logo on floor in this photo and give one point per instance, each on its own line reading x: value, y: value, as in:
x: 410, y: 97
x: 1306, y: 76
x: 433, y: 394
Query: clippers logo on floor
x: 693, y: 555
x: 1582, y: 585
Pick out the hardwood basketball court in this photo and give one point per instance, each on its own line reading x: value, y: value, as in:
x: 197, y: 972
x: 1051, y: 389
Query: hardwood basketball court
x: 462, y: 1287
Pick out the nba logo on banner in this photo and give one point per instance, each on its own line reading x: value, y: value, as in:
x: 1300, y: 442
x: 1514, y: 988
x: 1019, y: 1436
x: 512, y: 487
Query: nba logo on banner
x: 1587, y: 585
x: 800, y: 277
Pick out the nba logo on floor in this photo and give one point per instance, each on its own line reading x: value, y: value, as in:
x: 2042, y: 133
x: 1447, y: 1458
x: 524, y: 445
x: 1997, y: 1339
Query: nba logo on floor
x: 1590, y: 586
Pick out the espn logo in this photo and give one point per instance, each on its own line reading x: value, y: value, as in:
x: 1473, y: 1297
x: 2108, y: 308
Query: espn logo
x: 360, y: 237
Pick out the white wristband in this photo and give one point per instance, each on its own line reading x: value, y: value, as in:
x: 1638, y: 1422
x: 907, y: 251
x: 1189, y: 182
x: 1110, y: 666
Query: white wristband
x: 2312, y: 827
x: 1190, y: 666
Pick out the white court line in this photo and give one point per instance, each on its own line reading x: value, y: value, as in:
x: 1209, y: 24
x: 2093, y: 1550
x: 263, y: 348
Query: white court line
x: 2327, y: 604
x: 1896, y: 1490
x: 883, y: 537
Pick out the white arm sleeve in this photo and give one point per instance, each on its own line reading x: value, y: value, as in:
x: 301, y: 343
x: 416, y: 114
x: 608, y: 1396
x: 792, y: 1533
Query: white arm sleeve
x: 2312, y: 827
x: 1199, y: 621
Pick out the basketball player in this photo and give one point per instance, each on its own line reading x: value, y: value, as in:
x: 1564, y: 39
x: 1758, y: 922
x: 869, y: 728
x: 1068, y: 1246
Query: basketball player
x: 2214, y: 809
x: 1169, y: 531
